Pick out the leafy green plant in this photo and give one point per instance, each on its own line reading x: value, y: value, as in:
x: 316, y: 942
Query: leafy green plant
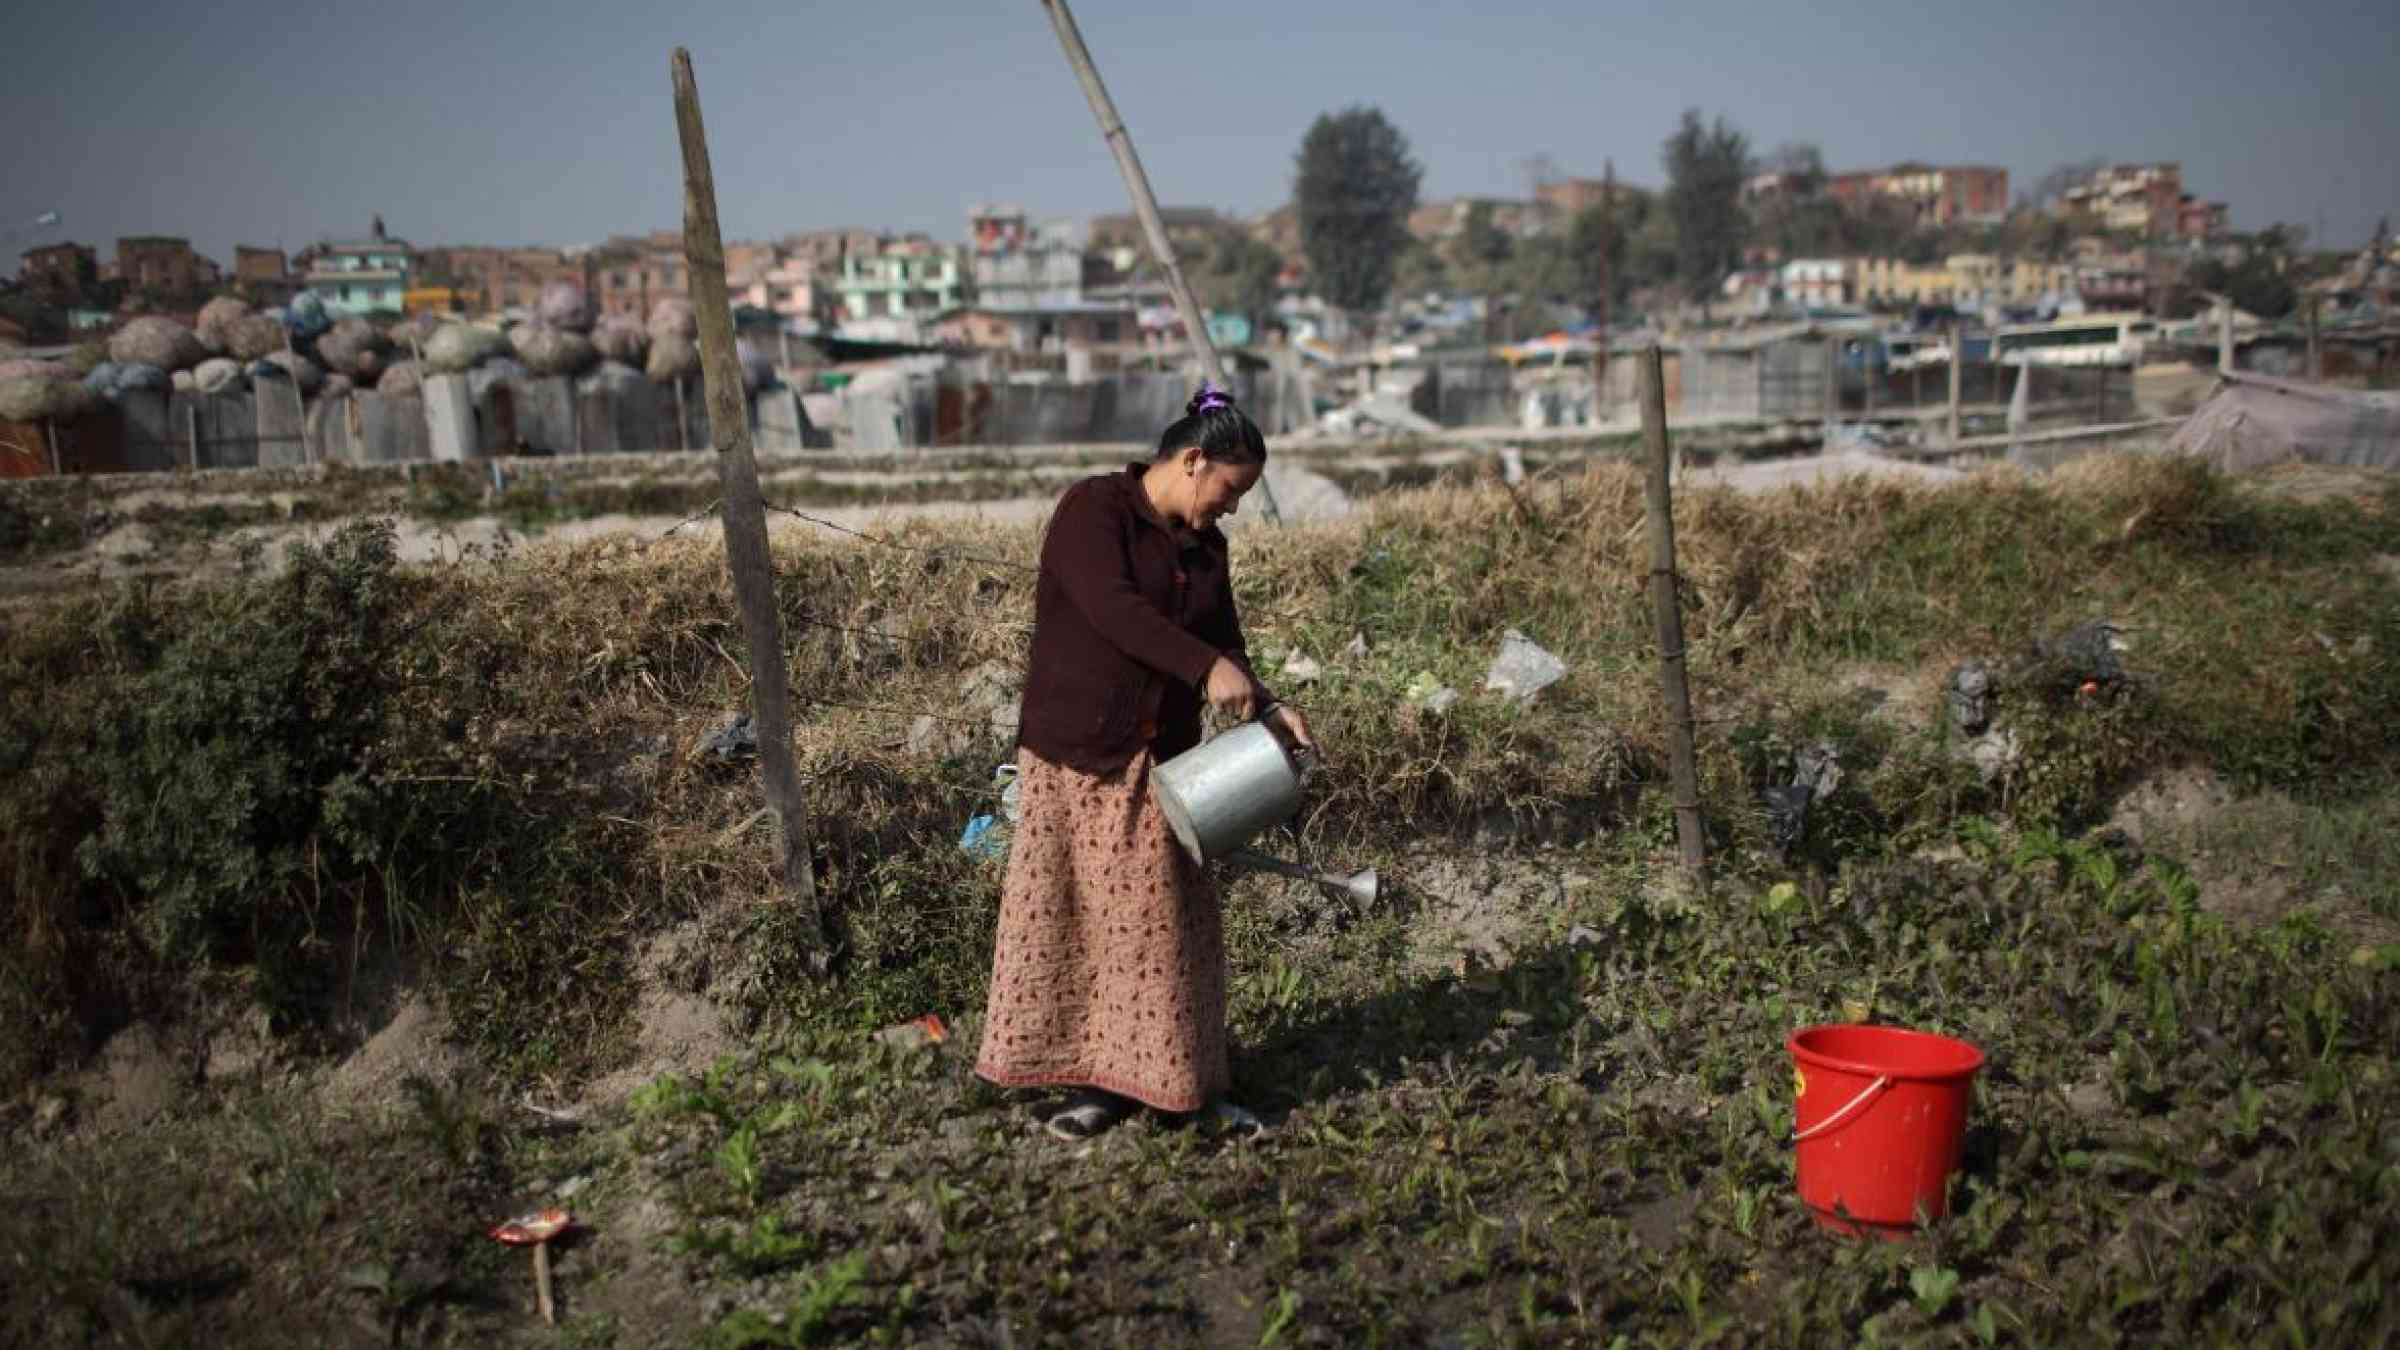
x: 809, y: 1318
x: 242, y: 751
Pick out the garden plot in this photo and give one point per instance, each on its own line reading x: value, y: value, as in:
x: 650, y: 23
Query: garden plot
x: 1533, y: 1095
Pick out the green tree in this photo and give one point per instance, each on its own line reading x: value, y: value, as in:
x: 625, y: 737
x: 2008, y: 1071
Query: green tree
x: 1482, y: 240
x: 2259, y: 282
x: 1419, y: 269
x: 1237, y: 275
x: 1355, y: 187
x: 1595, y: 254
x: 1706, y: 167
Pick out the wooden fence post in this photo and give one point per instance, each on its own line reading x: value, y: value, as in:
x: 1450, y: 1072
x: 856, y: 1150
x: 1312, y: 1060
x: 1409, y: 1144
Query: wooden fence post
x: 1682, y: 763
x: 1958, y: 367
x: 1145, y: 207
x: 745, y: 515
x: 191, y: 430
x: 1833, y: 380
x: 2316, y: 339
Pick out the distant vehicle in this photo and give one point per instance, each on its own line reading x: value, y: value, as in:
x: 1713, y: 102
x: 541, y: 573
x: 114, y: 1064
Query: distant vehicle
x: 2091, y: 340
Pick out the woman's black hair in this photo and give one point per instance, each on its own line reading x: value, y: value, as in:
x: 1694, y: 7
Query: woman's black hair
x: 1224, y: 433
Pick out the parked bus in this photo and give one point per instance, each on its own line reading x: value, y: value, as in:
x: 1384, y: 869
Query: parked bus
x: 2091, y: 340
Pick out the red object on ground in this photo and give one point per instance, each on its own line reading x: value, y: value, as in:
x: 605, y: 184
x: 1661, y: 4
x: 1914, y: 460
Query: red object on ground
x: 539, y: 1226
x: 1879, y: 1120
x: 934, y: 1030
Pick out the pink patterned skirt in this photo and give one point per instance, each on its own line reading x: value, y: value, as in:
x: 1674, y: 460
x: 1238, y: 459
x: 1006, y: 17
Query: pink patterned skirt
x: 1110, y: 966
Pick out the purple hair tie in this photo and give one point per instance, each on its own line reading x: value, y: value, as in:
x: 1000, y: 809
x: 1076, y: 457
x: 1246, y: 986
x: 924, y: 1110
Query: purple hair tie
x: 1212, y: 398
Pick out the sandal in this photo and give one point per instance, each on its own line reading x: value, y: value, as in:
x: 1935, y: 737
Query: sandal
x: 1089, y: 1114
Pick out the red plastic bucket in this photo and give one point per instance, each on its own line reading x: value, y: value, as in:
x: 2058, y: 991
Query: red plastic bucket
x: 1878, y: 1121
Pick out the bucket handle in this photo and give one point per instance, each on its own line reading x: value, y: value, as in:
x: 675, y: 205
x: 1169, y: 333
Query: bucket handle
x: 1847, y: 1111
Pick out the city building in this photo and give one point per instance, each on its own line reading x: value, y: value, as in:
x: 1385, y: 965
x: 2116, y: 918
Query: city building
x: 823, y: 250
x: 1436, y: 221
x: 488, y: 280
x: 1036, y: 328
x: 61, y: 274
x: 361, y: 276
x: 1020, y: 265
x: 1946, y: 195
x: 2199, y: 220
x: 2143, y: 199
x: 1896, y: 281
x: 631, y: 275
x: 912, y: 278
x: 793, y: 291
x: 1817, y: 283
x: 162, y: 265
x: 263, y: 275
x: 1571, y: 197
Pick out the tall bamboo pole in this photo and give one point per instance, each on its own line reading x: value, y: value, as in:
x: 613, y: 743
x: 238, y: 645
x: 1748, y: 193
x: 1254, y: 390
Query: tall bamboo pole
x: 745, y: 513
x: 1682, y: 762
x: 1145, y: 207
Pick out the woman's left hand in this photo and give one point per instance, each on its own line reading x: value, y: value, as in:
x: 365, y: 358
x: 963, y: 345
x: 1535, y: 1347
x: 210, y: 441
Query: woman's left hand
x: 1293, y: 724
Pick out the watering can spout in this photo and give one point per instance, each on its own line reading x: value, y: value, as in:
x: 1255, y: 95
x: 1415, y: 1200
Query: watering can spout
x: 1362, y: 886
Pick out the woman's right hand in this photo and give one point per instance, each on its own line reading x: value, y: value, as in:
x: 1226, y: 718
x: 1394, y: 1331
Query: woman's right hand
x: 1230, y: 690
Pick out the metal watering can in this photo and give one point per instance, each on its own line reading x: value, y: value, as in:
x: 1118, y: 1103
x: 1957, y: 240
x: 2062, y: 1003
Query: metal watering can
x: 1219, y: 794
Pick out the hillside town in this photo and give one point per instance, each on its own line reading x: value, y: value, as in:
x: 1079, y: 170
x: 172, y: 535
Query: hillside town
x: 1483, y: 310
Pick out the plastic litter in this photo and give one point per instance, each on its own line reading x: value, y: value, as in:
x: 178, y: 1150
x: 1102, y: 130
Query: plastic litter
x: 1816, y: 773
x: 983, y: 837
x: 456, y: 348
x: 1970, y: 693
x: 734, y: 738
x: 1429, y: 693
x: 553, y: 351
x: 498, y: 370
x: 563, y: 307
x: 214, y: 324
x: 217, y: 374
x: 916, y: 1031
x: 674, y: 317
x: 1523, y: 668
x: 672, y: 357
x: 307, y: 316
x: 153, y: 341
x: 352, y: 347
x: 30, y: 400
x: 306, y: 373
x: 619, y: 337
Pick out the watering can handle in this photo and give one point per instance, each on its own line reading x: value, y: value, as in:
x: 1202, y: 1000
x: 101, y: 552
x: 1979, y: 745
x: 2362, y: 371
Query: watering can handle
x: 1848, y: 1110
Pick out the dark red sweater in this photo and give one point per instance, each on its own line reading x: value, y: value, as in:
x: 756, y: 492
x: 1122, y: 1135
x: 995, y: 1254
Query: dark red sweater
x: 1129, y: 613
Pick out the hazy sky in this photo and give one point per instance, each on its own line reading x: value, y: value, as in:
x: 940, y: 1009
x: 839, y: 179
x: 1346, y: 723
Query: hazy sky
x: 519, y: 122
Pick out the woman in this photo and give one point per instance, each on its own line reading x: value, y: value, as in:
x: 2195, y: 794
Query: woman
x: 1109, y: 974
